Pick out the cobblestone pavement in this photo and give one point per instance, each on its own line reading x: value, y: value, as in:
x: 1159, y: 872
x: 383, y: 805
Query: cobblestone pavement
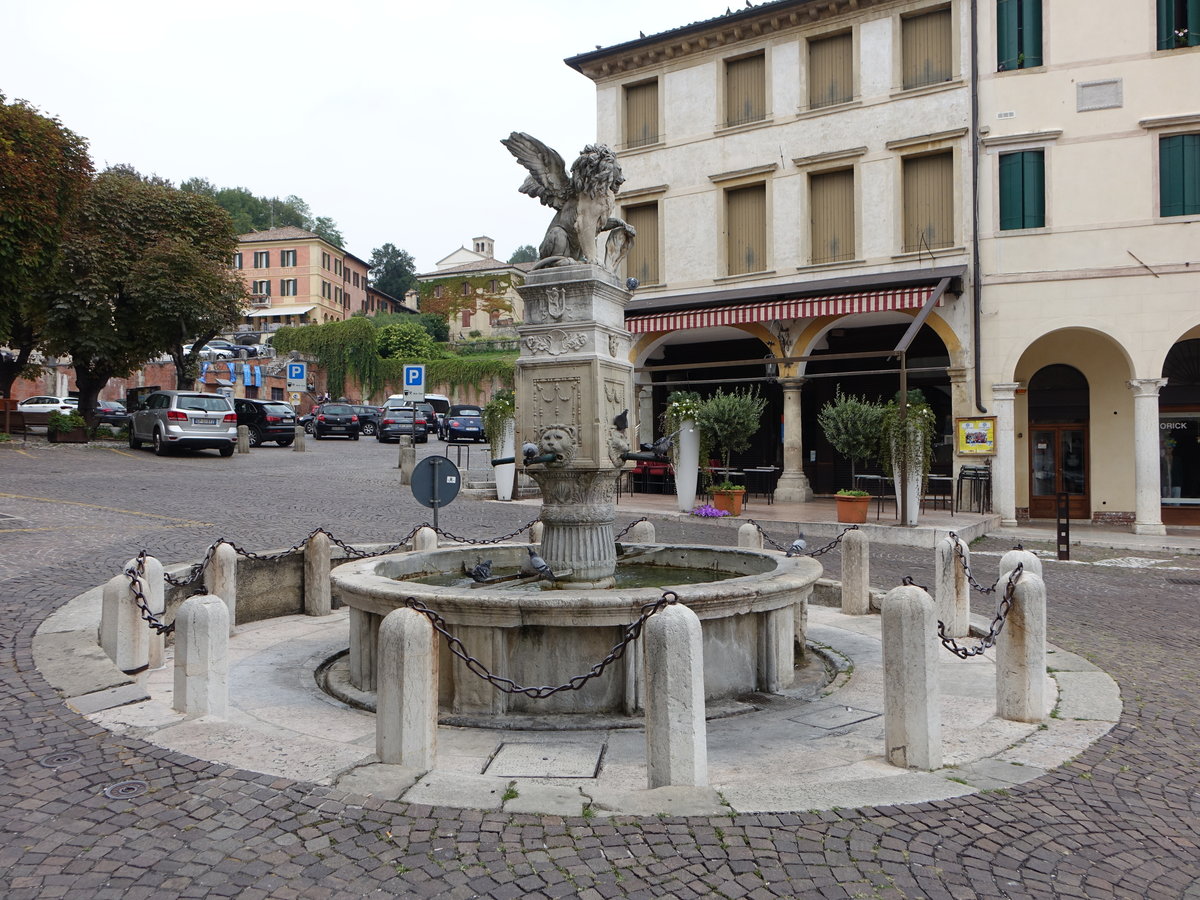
x: 1122, y: 820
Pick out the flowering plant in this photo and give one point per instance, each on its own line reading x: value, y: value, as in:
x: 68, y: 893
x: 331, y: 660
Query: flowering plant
x: 709, y: 512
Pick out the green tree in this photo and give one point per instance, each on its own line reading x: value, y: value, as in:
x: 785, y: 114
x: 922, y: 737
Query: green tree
x: 253, y: 213
x: 143, y: 266
x: 405, y: 340
x: 324, y: 227
x: 393, y: 270
x: 343, y: 349
x: 524, y: 253
x: 44, y: 172
x: 852, y: 425
x: 730, y: 420
x: 437, y: 326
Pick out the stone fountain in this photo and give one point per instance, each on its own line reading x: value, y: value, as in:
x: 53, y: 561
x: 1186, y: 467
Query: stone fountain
x: 574, y: 389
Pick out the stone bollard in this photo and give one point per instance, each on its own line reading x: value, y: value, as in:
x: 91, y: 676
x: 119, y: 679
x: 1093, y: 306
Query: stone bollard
x: 1021, y: 652
x: 202, y: 657
x: 298, y: 443
x: 364, y: 645
x: 749, y: 537
x: 124, y: 635
x: 243, y: 439
x: 220, y: 578
x: 1012, y: 558
x: 856, y: 574
x: 676, y: 748
x: 406, y: 708
x: 407, y: 461
x: 951, y: 591
x: 535, y: 532
x: 424, y: 540
x: 911, y: 716
x: 317, y: 599
x: 640, y: 533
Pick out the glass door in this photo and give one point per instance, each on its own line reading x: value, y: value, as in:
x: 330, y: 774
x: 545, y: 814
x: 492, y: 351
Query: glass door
x: 1058, y: 463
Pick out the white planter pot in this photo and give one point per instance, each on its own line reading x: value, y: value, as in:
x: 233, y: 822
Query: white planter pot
x: 912, y: 487
x: 687, y: 469
x: 506, y: 474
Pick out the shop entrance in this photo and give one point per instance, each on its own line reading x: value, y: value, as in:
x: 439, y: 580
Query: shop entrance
x: 1058, y: 442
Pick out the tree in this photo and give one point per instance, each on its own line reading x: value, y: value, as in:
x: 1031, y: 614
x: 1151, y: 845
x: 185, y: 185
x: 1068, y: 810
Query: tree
x: 407, y: 341
x: 524, y: 253
x: 44, y: 172
x: 325, y: 228
x: 852, y: 426
x: 144, y: 266
x: 730, y: 420
x: 393, y: 270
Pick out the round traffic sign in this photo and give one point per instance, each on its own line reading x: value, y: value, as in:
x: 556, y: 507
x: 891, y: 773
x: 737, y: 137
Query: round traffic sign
x: 435, y: 481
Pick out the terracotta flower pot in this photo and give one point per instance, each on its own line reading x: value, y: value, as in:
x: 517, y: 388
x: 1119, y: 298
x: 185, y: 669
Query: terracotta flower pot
x: 729, y: 501
x: 852, y: 510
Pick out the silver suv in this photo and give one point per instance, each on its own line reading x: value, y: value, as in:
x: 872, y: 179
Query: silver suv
x: 187, y: 419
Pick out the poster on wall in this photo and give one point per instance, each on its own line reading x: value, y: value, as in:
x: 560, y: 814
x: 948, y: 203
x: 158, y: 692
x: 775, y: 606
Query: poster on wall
x: 975, y: 437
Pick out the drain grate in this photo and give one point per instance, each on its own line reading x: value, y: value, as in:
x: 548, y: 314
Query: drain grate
x: 1183, y: 581
x: 57, y: 760
x: 125, y: 789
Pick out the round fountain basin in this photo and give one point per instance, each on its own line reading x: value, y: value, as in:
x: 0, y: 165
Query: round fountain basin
x: 752, y: 623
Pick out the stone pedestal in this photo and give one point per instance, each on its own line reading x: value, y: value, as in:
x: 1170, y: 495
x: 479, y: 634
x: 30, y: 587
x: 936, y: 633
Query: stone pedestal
x: 573, y: 381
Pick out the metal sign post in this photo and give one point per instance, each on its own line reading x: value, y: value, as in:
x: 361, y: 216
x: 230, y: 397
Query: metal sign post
x: 435, y: 483
x: 1063, y: 502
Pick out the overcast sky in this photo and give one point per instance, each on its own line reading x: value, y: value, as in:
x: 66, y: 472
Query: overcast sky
x: 384, y: 115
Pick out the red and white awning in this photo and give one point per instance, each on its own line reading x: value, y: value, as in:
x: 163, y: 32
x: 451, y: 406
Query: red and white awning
x: 799, y: 308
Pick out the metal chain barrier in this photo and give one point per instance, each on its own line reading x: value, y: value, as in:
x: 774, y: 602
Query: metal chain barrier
x: 508, y: 686
x: 820, y: 551
x: 467, y: 540
x: 628, y: 528
x: 136, y: 575
x: 989, y: 639
x: 197, y: 570
x: 962, y: 561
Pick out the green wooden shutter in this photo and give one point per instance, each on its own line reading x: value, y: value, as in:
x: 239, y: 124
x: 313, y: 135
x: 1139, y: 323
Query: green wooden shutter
x: 1166, y: 24
x: 1193, y: 23
x: 1191, y: 174
x: 1170, y: 175
x: 1010, y: 191
x: 1031, y: 33
x: 1006, y: 34
x: 1033, y: 194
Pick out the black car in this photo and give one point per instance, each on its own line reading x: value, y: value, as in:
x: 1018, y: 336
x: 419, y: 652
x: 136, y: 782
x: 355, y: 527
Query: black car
x: 400, y: 420
x: 267, y: 420
x: 368, y: 418
x: 464, y: 423
x: 111, y: 412
x: 336, y: 419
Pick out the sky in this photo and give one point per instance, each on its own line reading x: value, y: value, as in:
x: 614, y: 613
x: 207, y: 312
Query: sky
x: 384, y: 115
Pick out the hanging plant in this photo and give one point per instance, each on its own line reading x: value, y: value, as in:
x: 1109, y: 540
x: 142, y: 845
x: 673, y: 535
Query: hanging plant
x: 496, y: 413
x: 682, y: 406
x: 908, y: 446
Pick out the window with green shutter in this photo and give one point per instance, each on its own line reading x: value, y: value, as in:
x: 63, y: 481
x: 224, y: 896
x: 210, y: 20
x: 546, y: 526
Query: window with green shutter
x: 1023, y: 190
x: 1179, y: 175
x: 1178, y: 24
x: 1019, y: 34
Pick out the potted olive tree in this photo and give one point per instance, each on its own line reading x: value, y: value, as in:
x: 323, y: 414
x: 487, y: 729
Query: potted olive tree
x: 851, y: 425
x: 499, y: 424
x: 729, y: 421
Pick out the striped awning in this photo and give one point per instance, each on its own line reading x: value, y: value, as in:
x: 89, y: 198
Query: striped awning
x: 798, y: 308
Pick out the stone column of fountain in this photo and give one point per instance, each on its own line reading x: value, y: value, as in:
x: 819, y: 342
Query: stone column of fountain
x: 575, y: 401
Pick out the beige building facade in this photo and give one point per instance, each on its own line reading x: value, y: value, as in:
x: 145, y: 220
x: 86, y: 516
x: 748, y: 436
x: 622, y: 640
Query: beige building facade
x: 815, y: 181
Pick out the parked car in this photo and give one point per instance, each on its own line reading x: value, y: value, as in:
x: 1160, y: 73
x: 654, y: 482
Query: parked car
x: 368, y: 418
x: 400, y: 420
x: 336, y: 419
x: 185, y: 419
x: 464, y: 423
x: 439, y: 403
x: 209, y: 352
x: 49, y: 404
x: 111, y: 412
x: 235, y: 350
x: 267, y: 420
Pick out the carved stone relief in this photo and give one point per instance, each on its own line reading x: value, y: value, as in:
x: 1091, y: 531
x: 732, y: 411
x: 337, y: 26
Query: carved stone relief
x: 556, y: 342
x: 556, y: 400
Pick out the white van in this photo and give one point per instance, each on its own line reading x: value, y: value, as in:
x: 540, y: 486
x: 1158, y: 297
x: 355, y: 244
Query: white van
x: 439, y: 402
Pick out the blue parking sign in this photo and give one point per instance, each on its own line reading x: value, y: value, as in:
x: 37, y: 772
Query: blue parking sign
x: 414, y: 377
x: 295, y: 371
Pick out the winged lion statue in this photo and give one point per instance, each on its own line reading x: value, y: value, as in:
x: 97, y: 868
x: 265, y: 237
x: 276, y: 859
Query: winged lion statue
x: 584, y: 199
